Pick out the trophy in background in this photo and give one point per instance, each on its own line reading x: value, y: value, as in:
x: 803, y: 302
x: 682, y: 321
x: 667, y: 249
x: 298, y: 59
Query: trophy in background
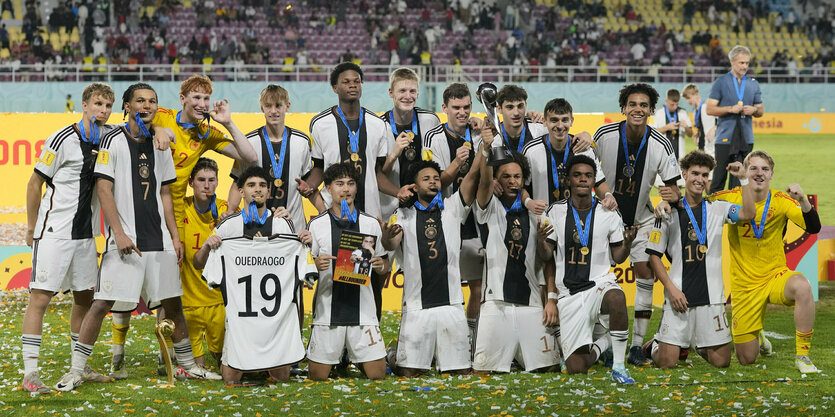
x: 486, y: 93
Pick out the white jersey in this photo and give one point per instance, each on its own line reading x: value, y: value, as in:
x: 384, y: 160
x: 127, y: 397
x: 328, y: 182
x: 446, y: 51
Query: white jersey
x: 297, y: 164
x: 138, y: 171
x: 258, y: 279
x: 511, y: 273
x: 676, y: 138
x: 429, y: 253
x: 426, y: 121
x: 656, y: 158
x: 69, y: 208
x: 532, y: 130
x: 331, y: 145
x: 698, y: 275
x: 339, y: 303
x: 233, y: 226
x: 577, y: 272
x: 544, y: 160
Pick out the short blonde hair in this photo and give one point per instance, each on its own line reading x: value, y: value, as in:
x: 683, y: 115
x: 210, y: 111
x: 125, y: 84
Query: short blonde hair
x: 759, y: 154
x: 274, y: 94
x: 196, y: 82
x: 689, y: 90
x: 98, y: 89
x: 403, y: 74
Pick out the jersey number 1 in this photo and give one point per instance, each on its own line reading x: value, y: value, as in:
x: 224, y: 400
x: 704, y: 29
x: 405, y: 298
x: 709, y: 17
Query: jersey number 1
x: 265, y: 295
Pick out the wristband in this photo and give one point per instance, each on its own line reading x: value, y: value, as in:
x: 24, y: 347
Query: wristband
x: 608, y: 193
x: 526, y: 202
x: 743, y: 182
x: 485, y: 152
x: 552, y: 296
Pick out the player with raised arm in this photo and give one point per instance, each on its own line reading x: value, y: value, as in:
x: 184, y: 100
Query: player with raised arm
x: 62, y: 222
x: 344, y: 316
x: 577, y: 239
x: 143, y: 245
x: 691, y: 236
x: 407, y: 126
x: 632, y: 154
x: 759, y: 275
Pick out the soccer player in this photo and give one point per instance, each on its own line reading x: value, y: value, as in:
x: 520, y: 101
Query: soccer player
x: 453, y: 147
x: 759, y: 275
x: 202, y: 307
x: 632, y: 154
x: 62, y: 222
x: 143, y: 245
x: 510, y: 322
x: 577, y: 240
x: 408, y: 125
x: 673, y: 121
x: 691, y: 236
x: 427, y: 236
x: 549, y: 154
x: 284, y: 152
x: 704, y: 123
x: 515, y: 130
x: 344, y: 313
x: 255, y: 220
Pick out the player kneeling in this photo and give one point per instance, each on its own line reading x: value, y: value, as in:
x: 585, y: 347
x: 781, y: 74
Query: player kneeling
x: 256, y: 261
x: 691, y: 235
x: 345, y: 313
x: 577, y: 240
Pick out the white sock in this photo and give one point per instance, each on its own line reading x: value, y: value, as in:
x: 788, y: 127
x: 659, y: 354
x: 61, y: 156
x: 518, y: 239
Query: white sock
x: 117, y: 349
x: 31, y: 352
x: 79, y: 357
x: 185, y: 357
x: 618, y: 347
x: 601, y: 345
x: 73, y: 341
x: 643, y: 309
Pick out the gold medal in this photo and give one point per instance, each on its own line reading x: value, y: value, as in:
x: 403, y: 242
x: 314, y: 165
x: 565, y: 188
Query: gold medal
x: 355, y: 157
x: 468, y: 145
x: 584, y: 250
x: 739, y: 102
x: 410, y: 135
x: 703, y: 248
x: 278, y: 182
x: 557, y: 194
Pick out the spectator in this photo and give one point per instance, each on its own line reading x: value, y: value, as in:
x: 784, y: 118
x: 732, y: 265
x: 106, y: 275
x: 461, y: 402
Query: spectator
x: 638, y: 50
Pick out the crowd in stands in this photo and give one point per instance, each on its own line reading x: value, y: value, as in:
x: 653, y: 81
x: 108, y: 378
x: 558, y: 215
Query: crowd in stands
x: 417, y: 32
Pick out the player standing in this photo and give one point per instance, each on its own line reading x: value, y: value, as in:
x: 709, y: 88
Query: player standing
x: 759, y: 275
x: 704, y: 123
x: 632, y: 154
x: 673, y: 121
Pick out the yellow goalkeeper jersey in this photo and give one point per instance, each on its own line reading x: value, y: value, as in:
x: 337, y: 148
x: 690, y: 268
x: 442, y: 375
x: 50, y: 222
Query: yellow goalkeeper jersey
x: 194, y: 229
x: 755, y: 261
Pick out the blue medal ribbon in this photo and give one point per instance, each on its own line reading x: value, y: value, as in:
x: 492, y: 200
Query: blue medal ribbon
x: 466, y: 136
x: 354, y: 137
x: 699, y: 115
x: 630, y: 168
x: 758, y: 230
x: 521, y: 137
x: 250, y: 214
x: 184, y: 125
x: 517, y: 205
x: 554, y: 173
x: 278, y: 167
x: 583, y: 231
x: 94, y: 131
x: 394, y: 126
x: 346, y: 212
x: 437, y: 201
x: 143, y: 130
x: 701, y: 231
x: 670, y: 116
x: 740, y: 87
x: 212, y: 207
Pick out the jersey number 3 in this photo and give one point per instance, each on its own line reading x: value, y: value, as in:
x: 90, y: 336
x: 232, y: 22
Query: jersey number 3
x: 266, y: 295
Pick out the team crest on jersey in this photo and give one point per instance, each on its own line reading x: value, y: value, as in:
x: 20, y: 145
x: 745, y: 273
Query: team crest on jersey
x: 691, y: 234
x: 193, y: 145
x: 144, y: 170
x: 48, y: 157
x: 103, y: 158
x: 430, y: 231
x: 516, y: 231
x: 576, y: 236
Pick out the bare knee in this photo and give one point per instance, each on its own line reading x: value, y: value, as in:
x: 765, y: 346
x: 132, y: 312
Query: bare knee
x: 720, y: 361
x: 799, y: 290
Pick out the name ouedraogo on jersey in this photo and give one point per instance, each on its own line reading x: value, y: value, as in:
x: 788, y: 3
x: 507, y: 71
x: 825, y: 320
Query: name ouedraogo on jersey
x: 258, y: 279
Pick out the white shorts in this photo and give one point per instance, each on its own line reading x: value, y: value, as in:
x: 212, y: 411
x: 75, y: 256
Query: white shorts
x: 471, y: 260
x: 364, y: 344
x: 580, y: 312
x: 64, y: 265
x: 154, y: 276
x: 507, y: 331
x: 439, y: 332
x: 638, y: 252
x: 702, y: 326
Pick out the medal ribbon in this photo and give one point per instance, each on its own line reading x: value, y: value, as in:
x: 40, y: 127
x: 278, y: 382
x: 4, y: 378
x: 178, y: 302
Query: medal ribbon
x: 346, y: 212
x: 94, y: 131
x: 206, y: 119
x: 670, y: 116
x: 437, y: 201
x: 630, y: 168
x: 517, y: 205
x: 143, y: 130
x: 554, y: 174
x: 701, y: 231
x: 583, y: 231
x: 212, y: 207
x: 758, y: 230
x: 354, y: 137
x: 699, y: 115
x: 250, y: 214
x: 521, y: 137
x: 394, y: 125
x: 466, y: 136
x: 740, y: 87
x: 278, y: 168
